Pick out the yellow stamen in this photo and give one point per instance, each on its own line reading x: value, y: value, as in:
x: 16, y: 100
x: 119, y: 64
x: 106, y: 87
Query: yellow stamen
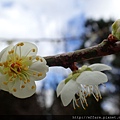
x: 9, y: 52
x: 10, y: 61
x: 37, y: 58
x: 20, y: 59
x: 40, y: 74
x: 5, y: 83
x: 12, y: 51
x: 15, y: 75
x: 33, y: 50
x: 28, y: 80
x: 32, y: 87
x: 10, y: 79
x: 34, y: 73
x: 30, y: 58
x: 20, y: 77
x: 25, y: 81
x: 18, y: 44
x: 1, y: 64
x: 21, y: 44
x: 23, y: 86
x: 41, y: 60
x: 5, y: 64
x: 17, y: 58
x: 26, y: 68
x: 14, y: 89
x: 97, y: 100
x: 5, y: 72
x: 86, y: 105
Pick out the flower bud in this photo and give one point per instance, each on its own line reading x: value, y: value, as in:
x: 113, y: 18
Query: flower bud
x: 116, y: 29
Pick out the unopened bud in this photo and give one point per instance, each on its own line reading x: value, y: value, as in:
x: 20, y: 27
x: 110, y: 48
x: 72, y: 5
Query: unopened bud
x: 116, y: 29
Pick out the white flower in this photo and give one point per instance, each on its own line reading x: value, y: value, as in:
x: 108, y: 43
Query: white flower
x: 82, y: 83
x: 19, y: 68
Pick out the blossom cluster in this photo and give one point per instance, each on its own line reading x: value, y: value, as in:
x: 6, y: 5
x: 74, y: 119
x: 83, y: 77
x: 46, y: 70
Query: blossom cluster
x: 20, y: 67
x: 82, y: 83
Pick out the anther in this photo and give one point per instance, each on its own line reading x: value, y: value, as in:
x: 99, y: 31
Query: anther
x: 20, y: 78
x: 5, y: 64
x: 14, y: 89
x: 5, y: 72
x: 12, y: 51
x: 33, y: 50
x: 34, y: 73
x: 23, y: 86
x: 21, y: 44
x: 30, y: 58
x: 9, y: 52
x: 18, y: 44
x: 20, y: 59
x: 41, y: 60
x: 40, y: 74
x: 97, y: 100
x: 100, y: 97
x: 97, y: 96
x: 10, y: 79
x: 32, y: 87
x: 25, y: 81
x: 5, y: 83
x: 28, y: 80
x: 1, y: 64
x: 26, y: 68
x: 14, y: 75
x: 37, y: 58
x: 10, y: 61
x: 86, y: 105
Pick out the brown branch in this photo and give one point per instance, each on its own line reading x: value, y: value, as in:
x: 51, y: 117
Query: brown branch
x: 106, y: 47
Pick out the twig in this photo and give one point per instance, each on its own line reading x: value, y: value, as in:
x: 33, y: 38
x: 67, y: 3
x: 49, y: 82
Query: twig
x: 106, y: 47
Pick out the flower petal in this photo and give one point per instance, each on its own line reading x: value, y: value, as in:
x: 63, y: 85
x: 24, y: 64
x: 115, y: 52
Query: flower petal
x: 21, y: 90
x: 37, y: 77
x: 3, y: 83
x: 99, y: 67
x: 39, y: 66
x: 60, y: 87
x: 68, y: 92
x: 4, y: 53
x: 26, y: 49
x: 91, y: 78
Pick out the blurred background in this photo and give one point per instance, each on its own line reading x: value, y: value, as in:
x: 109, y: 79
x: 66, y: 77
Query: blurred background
x: 56, y: 27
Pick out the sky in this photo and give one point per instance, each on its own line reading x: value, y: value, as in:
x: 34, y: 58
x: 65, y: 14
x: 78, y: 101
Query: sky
x: 47, y: 18
x: 30, y: 20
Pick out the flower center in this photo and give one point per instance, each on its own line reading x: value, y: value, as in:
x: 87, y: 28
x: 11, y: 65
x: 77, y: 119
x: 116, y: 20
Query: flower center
x: 18, y: 67
x: 15, y: 67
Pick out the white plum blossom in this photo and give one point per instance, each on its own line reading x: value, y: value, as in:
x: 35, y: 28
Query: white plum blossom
x: 20, y: 67
x: 82, y: 83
